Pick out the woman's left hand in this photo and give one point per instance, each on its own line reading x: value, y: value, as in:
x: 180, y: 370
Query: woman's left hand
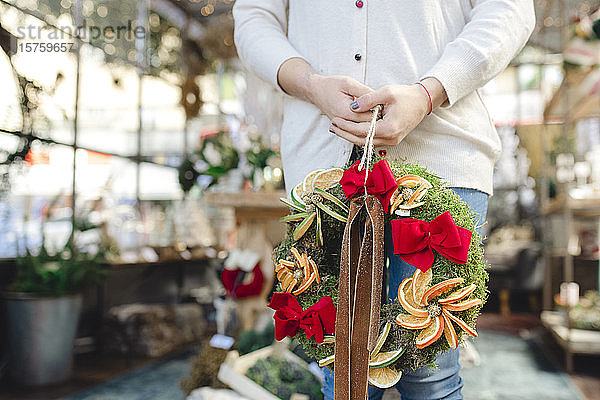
x: 404, y: 107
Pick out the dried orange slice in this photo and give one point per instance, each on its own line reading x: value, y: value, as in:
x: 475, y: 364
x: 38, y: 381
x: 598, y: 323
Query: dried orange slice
x: 421, y: 281
x: 307, y: 182
x: 409, y: 180
x: 394, y: 196
x: 386, y: 359
x: 296, y: 254
x: 291, y: 286
x: 287, y: 263
x: 450, y: 333
x: 440, y: 288
x: 407, y: 300
x: 327, y: 360
x: 315, y: 270
x: 381, y: 339
x: 285, y: 279
x: 465, y: 305
x: 459, y: 294
x: 462, y: 324
x: 411, y: 322
x: 384, y: 377
x: 304, y: 286
x: 430, y: 334
x: 280, y: 272
x: 297, y: 193
x: 328, y: 339
x: 305, y: 264
x: 327, y: 179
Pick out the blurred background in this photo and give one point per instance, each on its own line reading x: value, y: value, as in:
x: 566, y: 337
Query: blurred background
x: 137, y: 156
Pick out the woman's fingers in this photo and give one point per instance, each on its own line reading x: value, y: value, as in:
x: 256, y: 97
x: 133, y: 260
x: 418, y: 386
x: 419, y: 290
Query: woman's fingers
x: 357, y: 135
x: 383, y: 128
x: 359, y: 129
x: 360, y: 141
x: 368, y: 101
x: 355, y: 89
x: 356, y: 117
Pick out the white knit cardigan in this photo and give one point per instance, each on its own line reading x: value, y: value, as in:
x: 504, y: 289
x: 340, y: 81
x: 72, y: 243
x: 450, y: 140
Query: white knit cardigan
x: 462, y: 43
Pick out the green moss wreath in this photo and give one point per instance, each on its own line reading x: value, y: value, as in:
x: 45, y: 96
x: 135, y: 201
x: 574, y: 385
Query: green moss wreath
x: 326, y: 255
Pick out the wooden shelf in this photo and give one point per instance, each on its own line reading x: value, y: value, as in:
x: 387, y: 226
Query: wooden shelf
x: 160, y: 263
x: 575, y: 341
x: 257, y: 200
x: 578, y: 207
x: 263, y: 204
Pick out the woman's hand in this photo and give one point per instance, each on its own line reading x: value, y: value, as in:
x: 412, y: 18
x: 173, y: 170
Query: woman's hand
x: 330, y: 94
x: 405, y: 106
x: 333, y: 95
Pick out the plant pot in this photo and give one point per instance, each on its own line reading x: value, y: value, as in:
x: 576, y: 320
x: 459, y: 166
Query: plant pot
x: 41, y: 331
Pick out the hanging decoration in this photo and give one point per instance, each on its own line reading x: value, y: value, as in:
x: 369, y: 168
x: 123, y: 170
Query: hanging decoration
x: 333, y: 259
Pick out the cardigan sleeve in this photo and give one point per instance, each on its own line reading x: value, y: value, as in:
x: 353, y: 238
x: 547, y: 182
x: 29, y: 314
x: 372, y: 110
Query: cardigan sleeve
x: 260, y: 36
x: 495, y: 32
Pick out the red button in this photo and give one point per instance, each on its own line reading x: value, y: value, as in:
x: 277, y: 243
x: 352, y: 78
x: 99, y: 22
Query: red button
x: 359, y: 3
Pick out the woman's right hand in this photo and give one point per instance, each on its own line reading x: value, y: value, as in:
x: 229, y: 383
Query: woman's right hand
x: 334, y: 94
x: 330, y: 94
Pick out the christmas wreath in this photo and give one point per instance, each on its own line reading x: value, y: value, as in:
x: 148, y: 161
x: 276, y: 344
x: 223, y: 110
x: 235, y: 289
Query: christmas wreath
x: 432, y: 229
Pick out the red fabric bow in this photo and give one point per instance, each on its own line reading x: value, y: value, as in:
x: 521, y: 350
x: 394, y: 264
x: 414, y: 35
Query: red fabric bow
x: 236, y: 289
x: 380, y: 183
x: 316, y: 320
x: 415, y: 240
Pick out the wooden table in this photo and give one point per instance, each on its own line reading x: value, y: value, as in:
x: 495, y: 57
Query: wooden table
x: 573, y: 341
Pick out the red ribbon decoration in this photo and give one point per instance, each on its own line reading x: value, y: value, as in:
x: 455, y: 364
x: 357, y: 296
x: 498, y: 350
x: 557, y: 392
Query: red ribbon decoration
x: 316, y: 320
x: 415, y: 240
x: 238, y: 290
x: 381, y: 182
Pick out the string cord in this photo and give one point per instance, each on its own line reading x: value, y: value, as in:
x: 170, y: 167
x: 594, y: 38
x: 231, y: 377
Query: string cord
x: 369, y: 147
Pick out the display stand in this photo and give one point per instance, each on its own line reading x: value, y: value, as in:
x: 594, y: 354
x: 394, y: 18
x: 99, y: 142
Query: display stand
x: 573, y: 341
x: 253, y: 212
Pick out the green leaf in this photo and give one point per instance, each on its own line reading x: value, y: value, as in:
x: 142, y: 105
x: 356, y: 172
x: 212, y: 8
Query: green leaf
x: 215, y: 171
x: 293, y: 206
x: 331, y: 212
x: 319, y: 231
x: 333, y: 199
x: 294, y: 217
x: 304, y: 225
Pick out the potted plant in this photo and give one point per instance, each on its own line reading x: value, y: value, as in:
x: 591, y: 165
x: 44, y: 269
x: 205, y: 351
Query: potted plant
x: 259, y: 158
x: 43, y: 304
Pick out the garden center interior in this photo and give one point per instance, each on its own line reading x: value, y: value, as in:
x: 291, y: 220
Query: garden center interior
x: 140, y: 186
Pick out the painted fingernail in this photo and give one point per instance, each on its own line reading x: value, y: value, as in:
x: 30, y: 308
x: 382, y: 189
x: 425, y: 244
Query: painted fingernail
x: 354, y: 105
x: 334, y: 124
x: 331, y: 130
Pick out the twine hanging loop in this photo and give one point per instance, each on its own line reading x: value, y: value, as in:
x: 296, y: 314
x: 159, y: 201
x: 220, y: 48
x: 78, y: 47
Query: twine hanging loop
x: 369, y: 147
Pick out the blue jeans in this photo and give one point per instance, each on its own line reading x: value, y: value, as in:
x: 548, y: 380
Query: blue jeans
x: 424, y: 383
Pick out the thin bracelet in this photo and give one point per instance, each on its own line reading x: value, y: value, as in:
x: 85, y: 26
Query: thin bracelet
x: 428, y: 95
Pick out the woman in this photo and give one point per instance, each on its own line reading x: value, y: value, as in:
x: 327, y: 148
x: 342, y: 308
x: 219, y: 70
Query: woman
x: 424, y: 61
